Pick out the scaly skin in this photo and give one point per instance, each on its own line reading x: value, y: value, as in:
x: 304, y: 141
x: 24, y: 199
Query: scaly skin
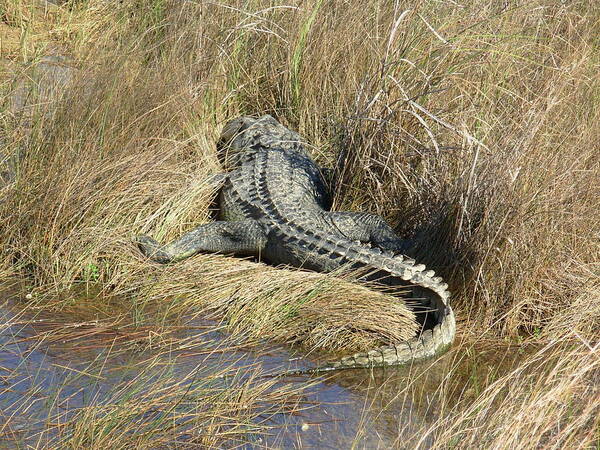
x: 274, y: 203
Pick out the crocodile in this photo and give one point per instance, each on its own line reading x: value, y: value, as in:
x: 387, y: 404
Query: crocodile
x: 274, y: 203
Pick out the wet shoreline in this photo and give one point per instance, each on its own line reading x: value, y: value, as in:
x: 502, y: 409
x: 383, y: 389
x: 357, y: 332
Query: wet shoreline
x: 81, y: 362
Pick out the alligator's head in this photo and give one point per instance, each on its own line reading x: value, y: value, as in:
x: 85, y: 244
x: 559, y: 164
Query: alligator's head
x: 236, y: 136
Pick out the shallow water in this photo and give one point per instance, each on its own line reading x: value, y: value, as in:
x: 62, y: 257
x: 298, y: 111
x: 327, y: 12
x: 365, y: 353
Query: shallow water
x: 62, y: 362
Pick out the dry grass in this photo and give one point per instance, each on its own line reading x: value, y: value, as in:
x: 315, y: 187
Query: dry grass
x: 549, y: 401
x: 473, y: 130
x: 490, y: 394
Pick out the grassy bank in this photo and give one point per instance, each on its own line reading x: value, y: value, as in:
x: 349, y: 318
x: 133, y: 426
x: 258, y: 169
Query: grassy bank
x: 473, y: 129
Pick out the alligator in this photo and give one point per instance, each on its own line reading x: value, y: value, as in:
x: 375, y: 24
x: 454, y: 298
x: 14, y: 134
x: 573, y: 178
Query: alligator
x: 274, y: 204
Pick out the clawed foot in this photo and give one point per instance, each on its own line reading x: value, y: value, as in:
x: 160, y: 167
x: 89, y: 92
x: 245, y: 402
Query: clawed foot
x: 152, y: 249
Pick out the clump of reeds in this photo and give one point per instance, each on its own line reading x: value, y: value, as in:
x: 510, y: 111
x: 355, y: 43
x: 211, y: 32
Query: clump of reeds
x: 286, y: 305
x: 550, y: 400
x: 491, y: 393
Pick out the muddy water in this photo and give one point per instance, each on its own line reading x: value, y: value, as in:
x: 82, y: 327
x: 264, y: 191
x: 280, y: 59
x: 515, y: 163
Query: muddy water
x: 51, y: 365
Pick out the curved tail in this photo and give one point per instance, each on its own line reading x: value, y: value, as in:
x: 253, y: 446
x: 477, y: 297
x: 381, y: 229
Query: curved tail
x: 437, y: 318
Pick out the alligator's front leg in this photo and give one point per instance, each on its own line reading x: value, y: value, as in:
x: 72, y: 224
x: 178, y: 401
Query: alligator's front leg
x: 241, y: 238
x: 369, y: 228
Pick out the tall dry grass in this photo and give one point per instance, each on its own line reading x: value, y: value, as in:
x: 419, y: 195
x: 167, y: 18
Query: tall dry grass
x: 472, y: 128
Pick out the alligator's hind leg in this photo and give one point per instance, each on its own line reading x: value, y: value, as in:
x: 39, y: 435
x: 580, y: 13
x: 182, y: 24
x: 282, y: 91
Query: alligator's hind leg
x: 241, y: 238
x: 368, y: 228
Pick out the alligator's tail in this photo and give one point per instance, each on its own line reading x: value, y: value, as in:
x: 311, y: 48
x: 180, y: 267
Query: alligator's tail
x: 434, y: 313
